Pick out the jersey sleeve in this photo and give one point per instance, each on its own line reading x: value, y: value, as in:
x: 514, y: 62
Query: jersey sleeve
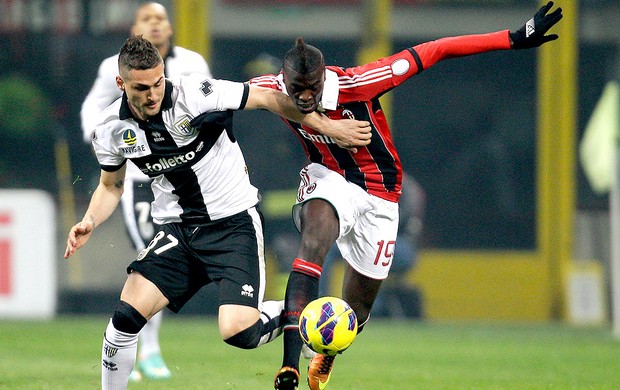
x: 429, y: 53
x: 203, y: 94
x: 366, y: 82
x: 267, y: 81
x: 103, y: 92
x: 109, y: 158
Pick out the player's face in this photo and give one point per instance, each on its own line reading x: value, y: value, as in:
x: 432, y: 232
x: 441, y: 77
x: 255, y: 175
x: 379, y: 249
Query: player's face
x: 306, y: 90
x: 145, y: 90
x: 152, y: 23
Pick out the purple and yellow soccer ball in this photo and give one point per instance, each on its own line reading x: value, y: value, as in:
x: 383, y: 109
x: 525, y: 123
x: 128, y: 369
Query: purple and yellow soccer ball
x: 328, y: 325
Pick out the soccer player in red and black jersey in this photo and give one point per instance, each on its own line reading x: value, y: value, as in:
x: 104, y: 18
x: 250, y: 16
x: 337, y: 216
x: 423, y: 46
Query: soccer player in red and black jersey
x: 351, y: 197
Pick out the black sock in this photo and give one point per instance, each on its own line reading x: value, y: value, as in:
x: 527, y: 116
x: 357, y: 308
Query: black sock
x: 302, y: 287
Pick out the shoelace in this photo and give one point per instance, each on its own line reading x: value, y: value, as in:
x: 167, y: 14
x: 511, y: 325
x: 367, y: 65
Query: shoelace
x: 326, y: 364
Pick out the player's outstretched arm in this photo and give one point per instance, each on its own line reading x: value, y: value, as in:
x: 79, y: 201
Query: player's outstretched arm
x: 102, y: 204
x: 347, y: 133
x: 532, y: 33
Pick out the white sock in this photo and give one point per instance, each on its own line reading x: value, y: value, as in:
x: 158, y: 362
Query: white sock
x: 118, y: 357
x: 271, y: 311
x: 149, y: 337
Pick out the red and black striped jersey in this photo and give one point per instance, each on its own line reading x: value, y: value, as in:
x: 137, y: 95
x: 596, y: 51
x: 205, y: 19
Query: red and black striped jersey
x: 354, y: 93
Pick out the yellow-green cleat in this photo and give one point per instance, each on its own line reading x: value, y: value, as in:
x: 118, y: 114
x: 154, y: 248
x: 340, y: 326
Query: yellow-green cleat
x: 319, y: 371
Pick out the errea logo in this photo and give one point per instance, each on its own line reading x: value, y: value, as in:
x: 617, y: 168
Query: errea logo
x: 247, y: 291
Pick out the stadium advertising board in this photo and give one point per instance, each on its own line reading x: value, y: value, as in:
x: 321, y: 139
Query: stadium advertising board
x: 27, y: 253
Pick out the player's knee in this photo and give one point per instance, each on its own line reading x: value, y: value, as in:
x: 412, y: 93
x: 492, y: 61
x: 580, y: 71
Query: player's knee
x: 127, y: 319
x: 247, y: 338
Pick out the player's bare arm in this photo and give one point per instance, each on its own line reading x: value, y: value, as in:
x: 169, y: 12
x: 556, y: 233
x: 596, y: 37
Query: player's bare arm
x: 348, y: 133
x: 102, y: 204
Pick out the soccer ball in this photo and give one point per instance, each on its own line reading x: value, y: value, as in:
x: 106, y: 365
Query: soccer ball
x: 328, y: 325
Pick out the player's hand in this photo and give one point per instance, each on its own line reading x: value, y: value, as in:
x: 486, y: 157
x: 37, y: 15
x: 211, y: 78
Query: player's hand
x: 532, y: 33
x: 351, y: 134
x: 78, y: 235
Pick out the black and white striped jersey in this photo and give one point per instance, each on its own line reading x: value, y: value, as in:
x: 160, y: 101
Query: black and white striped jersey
x: 189, y: 150
x: 179, y: 62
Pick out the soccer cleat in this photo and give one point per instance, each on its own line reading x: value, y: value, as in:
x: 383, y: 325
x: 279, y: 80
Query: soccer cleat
x: 286, y: 379
x: 135, y: 375
x: 319, y: 371
x: 154, y: 368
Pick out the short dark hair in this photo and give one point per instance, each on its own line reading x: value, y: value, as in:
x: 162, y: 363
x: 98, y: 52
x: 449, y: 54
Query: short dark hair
x: 138, y: 53
x: 303, y: 58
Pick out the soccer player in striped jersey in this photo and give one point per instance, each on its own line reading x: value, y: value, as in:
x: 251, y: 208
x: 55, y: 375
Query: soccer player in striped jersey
x: 208, y: 229
x: 352, y: 198
x: 152, y: 22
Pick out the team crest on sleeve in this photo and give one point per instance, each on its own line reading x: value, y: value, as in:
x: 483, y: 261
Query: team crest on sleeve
x: 400, y: 67
x: 129, y: 137
x: 183, y: 125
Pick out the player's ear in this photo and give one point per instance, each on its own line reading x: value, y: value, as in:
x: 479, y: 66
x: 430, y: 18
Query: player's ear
x: 120, y: 83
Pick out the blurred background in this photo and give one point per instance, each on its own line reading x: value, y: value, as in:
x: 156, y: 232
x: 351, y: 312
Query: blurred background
x: 512, y: 228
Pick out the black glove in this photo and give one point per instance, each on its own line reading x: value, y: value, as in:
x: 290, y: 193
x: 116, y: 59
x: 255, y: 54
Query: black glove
x: 532, y: 34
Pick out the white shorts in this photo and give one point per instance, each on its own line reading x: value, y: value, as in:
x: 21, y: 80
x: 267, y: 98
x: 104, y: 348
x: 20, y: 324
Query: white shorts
x: 368, y: 224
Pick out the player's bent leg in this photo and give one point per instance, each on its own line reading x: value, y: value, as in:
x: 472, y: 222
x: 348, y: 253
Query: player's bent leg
x: 271, y: 316
x: 267, y: 326
x: 359, y: 292
x: 120, y: 344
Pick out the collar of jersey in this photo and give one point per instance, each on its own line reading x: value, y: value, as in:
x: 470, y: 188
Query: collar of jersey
x: 166, y: 104
x: 330, y: 90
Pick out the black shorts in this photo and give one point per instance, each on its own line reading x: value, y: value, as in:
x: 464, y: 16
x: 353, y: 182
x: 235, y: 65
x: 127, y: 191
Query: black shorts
x: 230, y: 252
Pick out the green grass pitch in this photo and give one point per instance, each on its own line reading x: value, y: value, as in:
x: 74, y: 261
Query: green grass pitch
x: 64, y: 354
